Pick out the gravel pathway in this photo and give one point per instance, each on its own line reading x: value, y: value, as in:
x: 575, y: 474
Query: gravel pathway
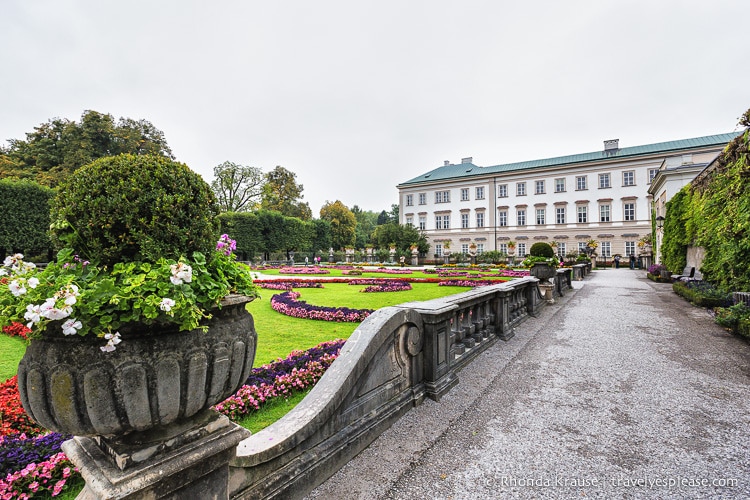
x: 619, y: 390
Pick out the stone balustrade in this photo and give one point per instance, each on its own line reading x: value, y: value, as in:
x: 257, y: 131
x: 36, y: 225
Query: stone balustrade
x: 393, y: 360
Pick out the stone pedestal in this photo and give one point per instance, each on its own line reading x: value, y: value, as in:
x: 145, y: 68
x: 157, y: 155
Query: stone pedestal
x: 548, y: 292
x: 193, y: 465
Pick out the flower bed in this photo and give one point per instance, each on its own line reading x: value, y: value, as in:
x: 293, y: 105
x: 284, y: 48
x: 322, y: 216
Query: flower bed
x: 37, y: 480
x: 287, y: 303
x: 512, y: 273
x: 389, y: 271
x: 453, y: 274
x: 392, y: 286
x: 282, y: 378
x: 303, y: 270
x: 287, y: 285
x: 474, y: 283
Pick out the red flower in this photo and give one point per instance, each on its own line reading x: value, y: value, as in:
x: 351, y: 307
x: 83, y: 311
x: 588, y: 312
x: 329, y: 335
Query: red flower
x: 12, y: 415
x: 16, y: 329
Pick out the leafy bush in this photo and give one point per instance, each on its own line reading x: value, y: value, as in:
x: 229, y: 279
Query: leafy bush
x: 541, y: 249
x: 736, y: 318
x: 106, y: 217
x: 702, y: 293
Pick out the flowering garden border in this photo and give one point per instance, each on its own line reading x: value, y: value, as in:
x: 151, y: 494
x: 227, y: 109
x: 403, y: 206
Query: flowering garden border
x: 286, y: 303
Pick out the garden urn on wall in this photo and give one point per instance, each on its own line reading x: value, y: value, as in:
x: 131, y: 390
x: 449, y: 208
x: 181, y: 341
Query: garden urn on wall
x: 156, y: 377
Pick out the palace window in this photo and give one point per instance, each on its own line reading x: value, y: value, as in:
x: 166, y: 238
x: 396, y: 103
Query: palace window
x: 560, y: 215
x: 629, y: 211
x: 442, y: 196
x: 521, y: 217
x: 583, y: 214
x: 502, y: 218
x: 604, y: 181
x: 540, y: 217
x: 628, y: 178
x: 604, y: 213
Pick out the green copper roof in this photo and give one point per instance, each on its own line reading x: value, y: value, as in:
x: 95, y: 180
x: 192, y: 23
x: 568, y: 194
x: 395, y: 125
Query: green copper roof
x: 469, y: 169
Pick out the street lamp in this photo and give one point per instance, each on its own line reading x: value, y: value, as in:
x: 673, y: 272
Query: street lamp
x: 660, y: 222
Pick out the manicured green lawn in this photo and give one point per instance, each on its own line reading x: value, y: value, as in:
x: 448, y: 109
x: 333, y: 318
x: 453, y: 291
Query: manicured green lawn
x: 278, y: 335
x: 11, y: 352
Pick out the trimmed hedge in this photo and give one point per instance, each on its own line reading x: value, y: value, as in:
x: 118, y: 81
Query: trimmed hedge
x: 701, y: 294
x: 25, y: 208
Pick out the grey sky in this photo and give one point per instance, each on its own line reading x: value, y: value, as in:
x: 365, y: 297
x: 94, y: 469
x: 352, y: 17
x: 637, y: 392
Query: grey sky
x: 357, y: 96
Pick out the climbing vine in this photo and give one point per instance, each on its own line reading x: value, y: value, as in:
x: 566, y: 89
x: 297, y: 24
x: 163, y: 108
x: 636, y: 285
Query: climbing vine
x: 714, y: 212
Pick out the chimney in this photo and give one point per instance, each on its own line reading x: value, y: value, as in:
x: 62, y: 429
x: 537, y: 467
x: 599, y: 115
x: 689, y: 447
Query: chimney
x: 611, y: 145
x: 446, y: 163
x: 467, y: 159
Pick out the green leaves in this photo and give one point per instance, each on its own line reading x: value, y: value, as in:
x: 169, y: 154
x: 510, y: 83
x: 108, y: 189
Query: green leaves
x: 131, y: 292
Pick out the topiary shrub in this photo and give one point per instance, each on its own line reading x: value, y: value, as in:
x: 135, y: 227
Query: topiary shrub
x: 134, y: 208
x: 541, y: 249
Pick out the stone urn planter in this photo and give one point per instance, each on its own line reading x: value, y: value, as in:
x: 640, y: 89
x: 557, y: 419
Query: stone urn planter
x: 543, y: 271
x: 152, y: 386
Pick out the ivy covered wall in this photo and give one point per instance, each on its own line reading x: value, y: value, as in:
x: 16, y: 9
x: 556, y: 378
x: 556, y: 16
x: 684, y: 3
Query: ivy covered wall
x: 714, y: 213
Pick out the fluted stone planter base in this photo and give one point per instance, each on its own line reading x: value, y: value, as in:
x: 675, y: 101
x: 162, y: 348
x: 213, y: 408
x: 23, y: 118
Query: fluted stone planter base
x: 196, y: 468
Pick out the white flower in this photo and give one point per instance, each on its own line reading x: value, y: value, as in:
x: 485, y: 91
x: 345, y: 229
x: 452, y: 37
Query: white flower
x: 32, y: 282
x: 112, y: 340
x: 166, y: 304
x: 181, y: 273
x: 71, y: 327
x: 16, y: 288
x: 3, y: 272
x: 32, y: 315
x: 50, y: 310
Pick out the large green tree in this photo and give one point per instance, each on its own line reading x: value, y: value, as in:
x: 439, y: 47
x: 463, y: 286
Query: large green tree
x: 58, y: 147
x: 282, y: 193
x: 403, y: 236
x: 366, y: 222
x: 343, y: 224
x: 237, y: 188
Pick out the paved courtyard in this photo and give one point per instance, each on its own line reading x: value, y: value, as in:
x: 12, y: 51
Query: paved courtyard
x: 620, y: 389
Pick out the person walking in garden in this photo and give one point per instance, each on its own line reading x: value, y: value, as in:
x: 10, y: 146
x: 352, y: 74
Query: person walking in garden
x: 402, y: 260
x: 617, y: 262
x: 632, y: 261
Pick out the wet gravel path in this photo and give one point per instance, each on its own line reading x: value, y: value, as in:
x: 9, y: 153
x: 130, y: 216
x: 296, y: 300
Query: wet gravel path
x: 619, y: 390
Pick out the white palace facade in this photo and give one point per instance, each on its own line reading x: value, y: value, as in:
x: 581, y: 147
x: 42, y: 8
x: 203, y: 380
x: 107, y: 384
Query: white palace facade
x: 602, y: 196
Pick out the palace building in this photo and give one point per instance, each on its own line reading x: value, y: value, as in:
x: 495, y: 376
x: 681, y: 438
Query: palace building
x: 570, y: 200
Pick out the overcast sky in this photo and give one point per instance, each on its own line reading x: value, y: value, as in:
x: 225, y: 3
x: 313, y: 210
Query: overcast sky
x: 358, y: 96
